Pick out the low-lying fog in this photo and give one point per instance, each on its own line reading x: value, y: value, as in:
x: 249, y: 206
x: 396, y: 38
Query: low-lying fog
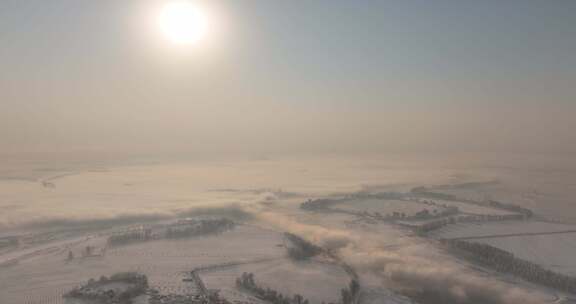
x: 43, y: 192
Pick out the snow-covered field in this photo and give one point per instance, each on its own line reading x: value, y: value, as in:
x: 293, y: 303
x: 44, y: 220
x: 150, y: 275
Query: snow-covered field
x: 555, y: 252
x: 473, y: 209
x: 386, y: 207
x: 488, y: 229
x: 549, y: 193
x: 44, y: 277
x: 315, y: 281
x: 551, y: 245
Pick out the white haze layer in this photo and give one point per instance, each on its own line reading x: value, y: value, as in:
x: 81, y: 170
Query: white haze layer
x: 269, y: 190
x: 82, y: 191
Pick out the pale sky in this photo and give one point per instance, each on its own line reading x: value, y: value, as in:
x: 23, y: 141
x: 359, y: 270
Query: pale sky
x: 290, y: 76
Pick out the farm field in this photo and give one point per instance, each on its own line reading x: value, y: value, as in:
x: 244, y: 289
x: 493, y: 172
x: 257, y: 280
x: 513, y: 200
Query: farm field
x: 549, y: 195
x: 315, y: 281
x: 555, y: 252
x: 45, y: 277
x: 385, y: 207
x: 473, y: 209
x: 489, y: 229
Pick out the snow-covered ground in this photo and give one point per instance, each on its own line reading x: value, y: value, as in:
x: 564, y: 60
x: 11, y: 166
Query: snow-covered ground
x: 555, y: 252
x: 489, y: 229
x: 386, y: 207
x: 315, y: 281
x: 551, y: 245
x: 270, y: 191
x: 548, y: 192
x: 44, y: 277
x: 472, y: 208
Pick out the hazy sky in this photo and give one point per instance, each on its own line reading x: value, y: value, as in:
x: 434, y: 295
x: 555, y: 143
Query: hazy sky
x: 293, y: 76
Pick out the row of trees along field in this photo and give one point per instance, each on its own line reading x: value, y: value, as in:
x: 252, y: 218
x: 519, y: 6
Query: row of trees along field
x: 184, y: 229
x: 424, y: 192
x: 97, y: 290
x: 199, y: 227
x: 349, y: 295
x: 506, y: 262
x: 301, y: 249
x: 437, y: 224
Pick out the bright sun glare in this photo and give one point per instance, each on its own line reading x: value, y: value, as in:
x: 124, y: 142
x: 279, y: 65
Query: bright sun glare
x: 183, y: 23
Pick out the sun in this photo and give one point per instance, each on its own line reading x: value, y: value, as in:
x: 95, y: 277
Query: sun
x: 182, y: 23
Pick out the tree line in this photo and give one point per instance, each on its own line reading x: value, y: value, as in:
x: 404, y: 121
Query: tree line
x: 326, y: 203
x: 301, y: 249
x: 431, y: 226
x: 349, y: 295
x: 506, y: 262
x: 427, y: 193
x: 182, y: 229
x: 199, y: 227
x: 95, y: 290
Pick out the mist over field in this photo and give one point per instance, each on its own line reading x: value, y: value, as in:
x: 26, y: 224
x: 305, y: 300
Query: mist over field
x: 112, y: 190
